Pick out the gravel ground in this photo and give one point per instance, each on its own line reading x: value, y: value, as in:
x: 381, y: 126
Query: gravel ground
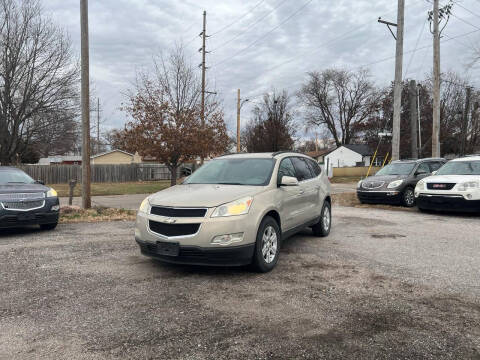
x: 383, y: 285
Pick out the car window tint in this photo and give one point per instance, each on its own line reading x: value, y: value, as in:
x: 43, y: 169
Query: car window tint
x: 434, y: 166
x: 423, y: 167
x: 286, y: 168
x: 314, y: 167
x: 302, y: 169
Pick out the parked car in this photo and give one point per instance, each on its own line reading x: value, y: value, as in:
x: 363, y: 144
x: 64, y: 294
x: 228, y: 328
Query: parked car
x: 24, y: 201
x: 395, y: 183
x: 455, y: 186
x: 236, y: 210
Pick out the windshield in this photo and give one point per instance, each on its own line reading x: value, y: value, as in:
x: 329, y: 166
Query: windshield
x: 234, y: 172
x: 397, y: 169
x: 14, y: 176
x: 460, y: 168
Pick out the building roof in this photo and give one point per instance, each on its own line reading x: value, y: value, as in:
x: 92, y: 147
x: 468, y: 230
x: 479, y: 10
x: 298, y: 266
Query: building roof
x: 362, y: 149
x: 318, y: 153
x: 111, y: 151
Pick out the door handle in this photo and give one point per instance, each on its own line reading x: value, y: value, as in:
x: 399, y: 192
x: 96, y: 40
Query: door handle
x: 301, y: 192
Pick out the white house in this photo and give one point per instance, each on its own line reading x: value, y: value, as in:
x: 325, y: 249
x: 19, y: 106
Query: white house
x: 349, y: 155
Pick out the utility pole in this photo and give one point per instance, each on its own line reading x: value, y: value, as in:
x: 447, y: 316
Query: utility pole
x: 412, y: 91
x: 419, y: 123
x: 397, y: 91
x: 238, y: 120
x: 465, y: 119
x: 85, y: 101
x: 204, y: 68
x: 98, y: 125
x: 436, y: 82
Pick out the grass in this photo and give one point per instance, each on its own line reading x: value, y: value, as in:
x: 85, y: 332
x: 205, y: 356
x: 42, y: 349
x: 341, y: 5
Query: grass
x: 140, y: 187
x: 72, y: 214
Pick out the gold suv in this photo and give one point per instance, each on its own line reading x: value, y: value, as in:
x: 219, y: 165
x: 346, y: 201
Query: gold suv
x: 236, y: 210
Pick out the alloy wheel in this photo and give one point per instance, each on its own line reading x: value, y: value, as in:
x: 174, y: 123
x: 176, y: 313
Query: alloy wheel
x: 269, y: 244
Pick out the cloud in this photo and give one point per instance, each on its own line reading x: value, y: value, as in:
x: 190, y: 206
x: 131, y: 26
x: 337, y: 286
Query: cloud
x: 125, y: 34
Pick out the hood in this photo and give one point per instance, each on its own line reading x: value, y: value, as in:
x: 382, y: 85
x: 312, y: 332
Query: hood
x: 451, y: 178
x: 202, y: 195
x: 385, y: 178
x: 22, y: 188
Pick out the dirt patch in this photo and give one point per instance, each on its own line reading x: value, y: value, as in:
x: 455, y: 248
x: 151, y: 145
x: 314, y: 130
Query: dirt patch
x: 387, y: 236
x: 74, y: 214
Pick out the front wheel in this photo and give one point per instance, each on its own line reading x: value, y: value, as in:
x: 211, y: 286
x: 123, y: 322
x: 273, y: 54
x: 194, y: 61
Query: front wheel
x: 322, y: 228
x: 267, y: 246
x: 408, y: 197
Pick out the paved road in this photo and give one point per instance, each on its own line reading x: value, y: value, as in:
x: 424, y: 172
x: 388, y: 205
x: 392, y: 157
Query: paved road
x: 384, y: 284
x: 132, y: 202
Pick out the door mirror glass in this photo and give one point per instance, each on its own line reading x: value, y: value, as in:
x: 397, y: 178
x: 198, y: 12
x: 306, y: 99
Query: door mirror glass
x: 289, y: 181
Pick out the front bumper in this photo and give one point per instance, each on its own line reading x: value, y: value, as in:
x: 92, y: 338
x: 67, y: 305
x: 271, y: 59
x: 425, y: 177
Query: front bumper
x: 195, y: 255
x: 44, y: 215
x: 379, y: 197
x: 447, y: 203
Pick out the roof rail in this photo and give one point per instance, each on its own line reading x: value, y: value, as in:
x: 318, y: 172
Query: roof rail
x: 285, y: 152
x: 471, y: 155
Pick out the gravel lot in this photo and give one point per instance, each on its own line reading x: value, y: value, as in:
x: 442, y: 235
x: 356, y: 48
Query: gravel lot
x: 384, y: 284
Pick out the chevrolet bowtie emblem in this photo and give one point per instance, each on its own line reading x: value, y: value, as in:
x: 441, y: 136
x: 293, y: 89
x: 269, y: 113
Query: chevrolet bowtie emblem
x: 169, y: 221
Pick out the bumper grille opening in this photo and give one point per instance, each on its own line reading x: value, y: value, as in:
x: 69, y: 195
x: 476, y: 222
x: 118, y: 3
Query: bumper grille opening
x: 173, y: 229
x: 24, y: 205
x: 178, y: 212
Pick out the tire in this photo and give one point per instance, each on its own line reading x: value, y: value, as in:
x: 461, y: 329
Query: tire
x: 267, y: 247
x: 322, y: 228
x: 48, y: 226
x: 408, y: 197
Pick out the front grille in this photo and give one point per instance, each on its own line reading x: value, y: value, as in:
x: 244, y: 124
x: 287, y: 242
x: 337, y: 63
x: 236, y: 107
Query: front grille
x: 23, y: 205
x: 178, y: 212
x: 22, y: 196
x: 372, y: 184
x: 440, y: 186
x: 173, y: 229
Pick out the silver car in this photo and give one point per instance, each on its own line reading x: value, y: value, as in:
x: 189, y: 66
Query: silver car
x: 236, y: 210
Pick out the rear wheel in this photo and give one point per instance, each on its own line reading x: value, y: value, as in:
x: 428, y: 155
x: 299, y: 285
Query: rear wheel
x: 322, y: 228
x: 48, y: 226
x: 267, y: 246
x: 408, y: 198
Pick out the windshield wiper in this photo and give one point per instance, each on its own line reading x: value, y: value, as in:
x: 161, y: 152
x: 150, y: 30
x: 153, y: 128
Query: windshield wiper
x: 230, y: 183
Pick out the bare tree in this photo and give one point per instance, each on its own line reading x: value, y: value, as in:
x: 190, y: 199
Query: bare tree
x: 38, y: 78
x: 272, y: 127
x: 339, y: 100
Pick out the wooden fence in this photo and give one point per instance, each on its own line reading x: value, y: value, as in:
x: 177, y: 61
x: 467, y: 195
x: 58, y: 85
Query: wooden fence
x: 61, y: 174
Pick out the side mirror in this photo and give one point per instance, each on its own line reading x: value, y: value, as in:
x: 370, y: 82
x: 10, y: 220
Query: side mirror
x: 289, y: 181
x: 420, y: 172
x: 40, y: 182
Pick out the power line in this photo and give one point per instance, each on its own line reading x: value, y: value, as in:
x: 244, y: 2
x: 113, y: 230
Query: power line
x: 250, y: 26
x: 464, y: 8
x: 238, y: 19
x: 465, y: 21
x: 266, y: 34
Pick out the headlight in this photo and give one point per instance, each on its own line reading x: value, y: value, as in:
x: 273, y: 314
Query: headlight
x: 359, y: 184
x: 469, y: 185
x: 52, y: 193
x: 238, y: 207
x: 145, y: 206
x: 395, y: 184
x: 420, y: 185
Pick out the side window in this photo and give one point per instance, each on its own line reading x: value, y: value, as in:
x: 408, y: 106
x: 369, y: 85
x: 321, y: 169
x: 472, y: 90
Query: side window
x: 434, y: 166
x: 286, y: 168
x: 302, y: 169
x: 423, y: 167
x: 314, y: 167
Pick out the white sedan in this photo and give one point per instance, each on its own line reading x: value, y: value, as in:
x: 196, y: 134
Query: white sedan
x: 455, y: 187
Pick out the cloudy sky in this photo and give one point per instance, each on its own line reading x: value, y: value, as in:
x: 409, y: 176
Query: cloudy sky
x: 258, y: 45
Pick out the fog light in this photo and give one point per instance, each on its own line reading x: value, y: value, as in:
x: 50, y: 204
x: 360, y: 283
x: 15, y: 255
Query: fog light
x: 469, y: 196
x: 227, y: 239
x: 55, y: 207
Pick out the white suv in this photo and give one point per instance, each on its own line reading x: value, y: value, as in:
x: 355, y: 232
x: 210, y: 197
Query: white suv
x: 455, y: 186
